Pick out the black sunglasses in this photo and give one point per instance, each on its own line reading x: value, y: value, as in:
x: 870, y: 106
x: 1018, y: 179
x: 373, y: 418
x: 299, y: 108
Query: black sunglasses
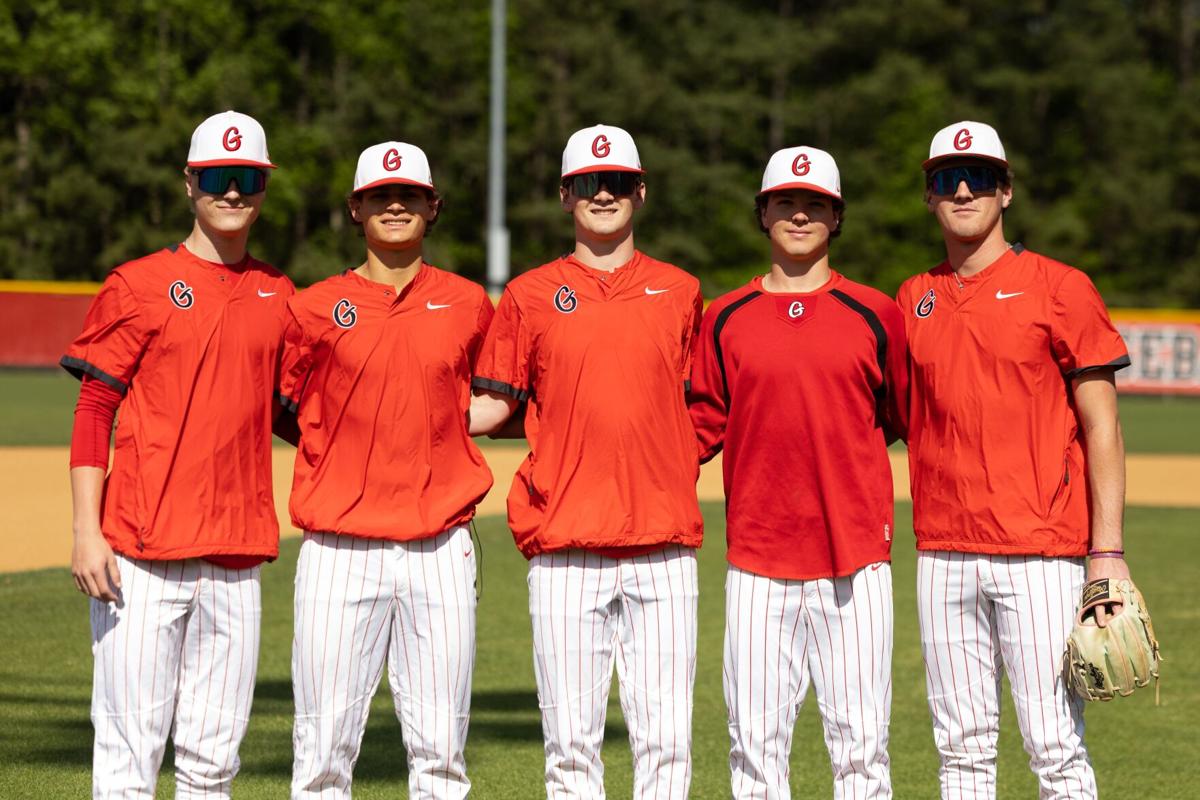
x: 588, y: 184
x: 978, y: 179
x: 216, y: 180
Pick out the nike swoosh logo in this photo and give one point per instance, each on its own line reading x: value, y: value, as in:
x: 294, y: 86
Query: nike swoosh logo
x: 433, y: 307
x: 467, y: 554
x: 656, y: 291
x: 1002, y: 296
x: 261, y: 293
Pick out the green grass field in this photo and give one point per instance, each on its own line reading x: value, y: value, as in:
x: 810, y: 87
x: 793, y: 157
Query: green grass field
x: 45, y: 683
x: 37, y: 407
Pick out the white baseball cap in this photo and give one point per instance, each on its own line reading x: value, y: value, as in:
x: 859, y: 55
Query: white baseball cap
x: 966, y: 140
x: 600, y: 147
x: 229, y: 139
x: 392, y: 162
x: 802, y: 168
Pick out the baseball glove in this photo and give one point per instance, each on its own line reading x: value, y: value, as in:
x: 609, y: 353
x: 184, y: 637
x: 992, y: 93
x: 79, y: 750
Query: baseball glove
x: 1101, y: 663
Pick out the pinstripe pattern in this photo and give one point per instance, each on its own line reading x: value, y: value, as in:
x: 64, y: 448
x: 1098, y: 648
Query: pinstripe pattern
x: 983, y: 613
x: 780, y: 635
x: 361, y: 603
x: 589, y: 611
x: 180, y: 650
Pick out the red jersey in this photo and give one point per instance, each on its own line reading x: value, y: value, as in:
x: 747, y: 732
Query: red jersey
x: 193, y: 348
x: 380, y: 383
x: 602, y: 358
x: 994, y: 449
x: 803, y: 392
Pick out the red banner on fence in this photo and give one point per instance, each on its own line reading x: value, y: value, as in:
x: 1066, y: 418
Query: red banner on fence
x: 1165, y: 351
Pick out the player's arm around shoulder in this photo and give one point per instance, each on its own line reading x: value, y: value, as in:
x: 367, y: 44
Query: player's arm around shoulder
x: 896, y: 368
x: 707, y: 404
x: 499, y: 383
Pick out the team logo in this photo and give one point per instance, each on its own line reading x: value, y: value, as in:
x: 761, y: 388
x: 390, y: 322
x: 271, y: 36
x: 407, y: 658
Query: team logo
x: 800, y: 165
x: 963, y: 139
x: 600, y: 146
x: 391, y: 160
x: 795, y: 309
x: 925, y: 307
x: 565, y: 300
x: 345, y: 314
x: 181, y: 295
x: 232, y: 139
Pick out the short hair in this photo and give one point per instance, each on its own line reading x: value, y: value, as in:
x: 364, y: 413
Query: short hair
x: 760, y: 205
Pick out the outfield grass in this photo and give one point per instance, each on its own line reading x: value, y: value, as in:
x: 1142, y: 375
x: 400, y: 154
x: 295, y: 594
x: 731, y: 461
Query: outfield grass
x: 37, y: 408
x: 1140, y: 750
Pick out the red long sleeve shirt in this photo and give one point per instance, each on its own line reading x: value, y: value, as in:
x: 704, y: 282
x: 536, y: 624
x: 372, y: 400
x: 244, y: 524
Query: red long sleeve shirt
x: 802, y: 391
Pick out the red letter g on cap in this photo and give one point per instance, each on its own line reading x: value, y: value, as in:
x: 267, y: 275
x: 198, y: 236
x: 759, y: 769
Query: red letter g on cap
x: 391, y: 160
x: 800, y: 166
x: 232, y: 139
x: 962, y: 139
x: 600, y: 146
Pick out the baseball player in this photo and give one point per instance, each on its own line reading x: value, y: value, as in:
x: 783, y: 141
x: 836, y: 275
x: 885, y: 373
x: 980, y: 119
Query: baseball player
x: 377, y: 366
x: 598, y: 343
x: 1017, y: 472
x: 185, y: 343
x: 801, y: 377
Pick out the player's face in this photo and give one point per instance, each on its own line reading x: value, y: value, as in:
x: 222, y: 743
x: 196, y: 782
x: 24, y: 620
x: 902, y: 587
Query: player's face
x: 799, y: 222
x: 394, y: 216
x: 605, y: 215
x: 968, y: 215
x: 228, y: 213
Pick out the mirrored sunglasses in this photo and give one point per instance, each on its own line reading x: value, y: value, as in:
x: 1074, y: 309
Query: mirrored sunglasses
x: 588, y: 184
x: 216, y: 180
x: 978, y: 178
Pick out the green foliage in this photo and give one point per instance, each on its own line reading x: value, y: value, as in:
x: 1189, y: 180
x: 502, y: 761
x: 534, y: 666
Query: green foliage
x: 45, y: 668
x: 1096, y: 100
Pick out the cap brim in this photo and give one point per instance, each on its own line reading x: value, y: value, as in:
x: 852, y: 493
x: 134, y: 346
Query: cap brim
x: 929, y: 162
x: 812, y: 187
x: 601, y: 168
x: 392, y: 181
x: 232, y: 162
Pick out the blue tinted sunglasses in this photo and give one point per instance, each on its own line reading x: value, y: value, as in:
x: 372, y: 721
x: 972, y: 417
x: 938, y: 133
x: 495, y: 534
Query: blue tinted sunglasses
x: 588, y: 184
x: 978, y: 178
x: 216, y: 180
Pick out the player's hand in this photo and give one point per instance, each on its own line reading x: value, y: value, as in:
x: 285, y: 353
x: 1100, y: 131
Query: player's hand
x: 1114, y: 568
x: 94, y: 566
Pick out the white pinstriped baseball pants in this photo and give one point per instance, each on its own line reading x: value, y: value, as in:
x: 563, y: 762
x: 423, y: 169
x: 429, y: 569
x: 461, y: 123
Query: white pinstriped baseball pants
x: 587, y: 608
x: 982, y: 613
x: 178, y: 652
x: 780, y: 635
x: 361, y: 603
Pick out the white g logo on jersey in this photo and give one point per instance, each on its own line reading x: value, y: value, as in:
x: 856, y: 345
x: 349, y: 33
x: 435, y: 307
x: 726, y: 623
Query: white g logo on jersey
x: 345, y: 314
x: 924, y: 307
x: 181, y: 295
x: 795, y: 309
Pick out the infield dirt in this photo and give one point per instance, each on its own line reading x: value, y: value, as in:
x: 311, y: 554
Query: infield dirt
x: 37, y: 497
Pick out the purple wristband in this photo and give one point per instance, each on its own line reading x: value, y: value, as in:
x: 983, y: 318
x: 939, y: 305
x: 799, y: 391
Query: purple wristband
x: 1107, y: 554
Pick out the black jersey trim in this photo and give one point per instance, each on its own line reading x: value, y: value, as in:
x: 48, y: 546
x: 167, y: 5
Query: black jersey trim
x: 490, y: 385
x: 881, y: 342
x: 722, y: 318
x: 1018, y: 248
x: 78, y: 368
x: 1114, y: 365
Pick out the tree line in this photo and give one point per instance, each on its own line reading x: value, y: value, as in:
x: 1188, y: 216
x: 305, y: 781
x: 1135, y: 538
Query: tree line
x: 1096, y: 100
